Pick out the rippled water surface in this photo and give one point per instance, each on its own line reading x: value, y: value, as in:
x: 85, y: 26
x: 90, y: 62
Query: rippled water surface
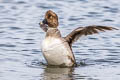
x: 21, y: 37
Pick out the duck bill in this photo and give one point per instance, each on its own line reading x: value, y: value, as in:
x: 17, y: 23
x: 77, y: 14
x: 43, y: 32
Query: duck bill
x: 44, y: 22
x: 43, y: 26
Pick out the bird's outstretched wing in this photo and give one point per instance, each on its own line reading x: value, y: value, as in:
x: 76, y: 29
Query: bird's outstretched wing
x: 89, y: 30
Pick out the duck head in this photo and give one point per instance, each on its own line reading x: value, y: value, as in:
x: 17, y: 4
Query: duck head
x: 51, y: 19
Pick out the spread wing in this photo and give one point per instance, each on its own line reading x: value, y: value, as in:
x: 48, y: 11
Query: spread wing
x: 89, y: 30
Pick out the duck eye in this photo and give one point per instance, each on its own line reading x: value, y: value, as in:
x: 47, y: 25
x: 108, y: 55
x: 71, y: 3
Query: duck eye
x: 49, y: 16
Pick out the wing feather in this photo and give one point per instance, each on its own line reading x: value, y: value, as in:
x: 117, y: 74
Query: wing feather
x: 89, y: 30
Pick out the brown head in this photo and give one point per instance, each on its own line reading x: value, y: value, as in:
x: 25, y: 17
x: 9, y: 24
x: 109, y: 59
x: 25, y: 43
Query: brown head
x: 51, y: 19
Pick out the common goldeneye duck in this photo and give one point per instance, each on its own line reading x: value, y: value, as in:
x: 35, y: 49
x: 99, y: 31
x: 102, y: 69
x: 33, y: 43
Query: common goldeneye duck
x: 56, y: 49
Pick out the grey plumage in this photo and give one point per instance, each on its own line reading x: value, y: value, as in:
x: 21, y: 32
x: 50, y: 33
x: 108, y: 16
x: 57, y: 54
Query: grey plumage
x: 89, y: 30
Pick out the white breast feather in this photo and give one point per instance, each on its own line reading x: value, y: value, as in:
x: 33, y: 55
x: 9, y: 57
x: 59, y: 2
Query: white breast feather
x: 55, y: 51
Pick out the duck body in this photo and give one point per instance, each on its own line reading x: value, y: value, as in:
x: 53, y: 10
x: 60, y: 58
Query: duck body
x: 57, y: 51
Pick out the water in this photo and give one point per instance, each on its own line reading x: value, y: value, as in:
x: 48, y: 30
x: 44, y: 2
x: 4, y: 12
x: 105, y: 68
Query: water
x: 21, y: 37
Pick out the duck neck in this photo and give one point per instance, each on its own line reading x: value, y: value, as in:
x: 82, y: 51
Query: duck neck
x: 53, y: 32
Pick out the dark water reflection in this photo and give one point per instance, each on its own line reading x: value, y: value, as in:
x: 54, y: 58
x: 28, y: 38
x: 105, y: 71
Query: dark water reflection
x: 58, y: 74
x: 98, y: 56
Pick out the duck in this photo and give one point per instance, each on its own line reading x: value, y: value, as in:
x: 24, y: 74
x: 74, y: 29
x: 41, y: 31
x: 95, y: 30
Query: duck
x: 57, y: 50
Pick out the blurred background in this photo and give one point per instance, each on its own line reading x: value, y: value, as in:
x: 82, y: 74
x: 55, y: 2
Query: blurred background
x: 21, y: 38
